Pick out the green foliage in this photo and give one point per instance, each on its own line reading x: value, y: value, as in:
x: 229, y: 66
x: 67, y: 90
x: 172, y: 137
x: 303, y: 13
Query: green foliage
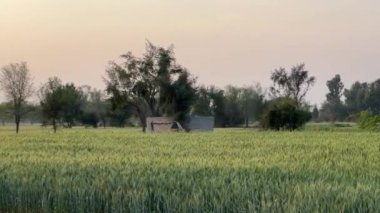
x: 283, y: 114
x: 357, y: 97
x: 335, y: 86
x: 72, y: 100
x: 363, y: 96
x: 231, y: 107
x: 90, y: 119
x: 333, y: 109
x: 6, y: 112
x: 182, y: 95
x: 94, y: 108
x: 374, y: 97
x: 210, y: 101
x: 119, y: 115
x: 61, y: 103
x: 124, y: 170
x: 367, y: 121
x: 252, y: 103
x: 203, y: 103
x: 332, y: 127
x: 50, y: 100
x: 315, y: 114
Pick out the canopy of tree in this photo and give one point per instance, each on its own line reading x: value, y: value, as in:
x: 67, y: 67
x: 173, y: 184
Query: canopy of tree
x: 293, y: 85
x: 153, y: 85
x: 61, y: 103
x: 231, y: 107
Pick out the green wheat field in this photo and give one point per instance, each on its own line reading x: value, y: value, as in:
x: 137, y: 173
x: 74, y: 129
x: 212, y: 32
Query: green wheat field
x: 230, y: 170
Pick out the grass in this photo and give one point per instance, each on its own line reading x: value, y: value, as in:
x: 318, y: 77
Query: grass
x: 230, y: 170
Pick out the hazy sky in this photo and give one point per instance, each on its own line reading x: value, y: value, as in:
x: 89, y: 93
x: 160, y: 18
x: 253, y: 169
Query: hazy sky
x: 220, y: 41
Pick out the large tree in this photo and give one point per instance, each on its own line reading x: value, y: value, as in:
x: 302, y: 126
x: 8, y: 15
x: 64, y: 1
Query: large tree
x: 73, y: 101
x: 315, y: 114
x: 374, y: 97
x: 181, y: 95
x: 50, y: 99
x: 333, y: 105
x: 335, y: 86
x: 203, y: 103
x: 293, y: 85
x: 252, y: 102
x: 233, y: 106
x: 61, y: 103
x: 153, y: 85
x: 356, y: 98
x: 95, y: 107
x: 16, y: 83
x: 210, y: 101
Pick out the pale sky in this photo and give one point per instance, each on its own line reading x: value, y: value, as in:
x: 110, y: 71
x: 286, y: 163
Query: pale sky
x: 222, y: 42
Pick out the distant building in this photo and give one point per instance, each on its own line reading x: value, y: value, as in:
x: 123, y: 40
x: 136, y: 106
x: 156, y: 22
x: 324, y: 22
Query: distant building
x: 167, y: 124
x: 162, y: 124
x: 201, y: 123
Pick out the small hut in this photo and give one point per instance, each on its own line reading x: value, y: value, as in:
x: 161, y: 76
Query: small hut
x: 162, y: 124
x: 167, y: 124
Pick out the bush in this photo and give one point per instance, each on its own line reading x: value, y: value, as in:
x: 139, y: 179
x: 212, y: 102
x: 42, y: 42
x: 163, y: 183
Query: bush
x: 367, y: 121
x: 283, y: 114
x: 90, y: 119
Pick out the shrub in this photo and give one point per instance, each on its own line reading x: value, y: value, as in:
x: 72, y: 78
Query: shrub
x: 283, y: 114
x: 367, y: 121
x: 90, y: 119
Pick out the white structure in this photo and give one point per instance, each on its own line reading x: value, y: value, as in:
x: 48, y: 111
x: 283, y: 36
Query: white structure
x: 201, y: 123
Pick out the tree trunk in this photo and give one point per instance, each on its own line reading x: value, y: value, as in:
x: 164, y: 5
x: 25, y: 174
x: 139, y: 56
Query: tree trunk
x: 104, y: 123
x: 17, y: 116
x: 333, y: 120
x: 142, y: 117
x: 143, y: 123
x: 246, y: 113
x: 17, y: 126
x: 17, y: 121
x: 54, y: 126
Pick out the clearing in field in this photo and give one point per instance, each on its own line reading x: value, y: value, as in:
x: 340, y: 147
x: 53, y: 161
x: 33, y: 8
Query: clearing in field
x: 231, y: 170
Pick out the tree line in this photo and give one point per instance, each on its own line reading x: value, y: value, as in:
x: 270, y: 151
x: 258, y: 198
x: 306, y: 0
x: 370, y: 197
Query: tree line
x: 346, y: 104
x: 156, y: 85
